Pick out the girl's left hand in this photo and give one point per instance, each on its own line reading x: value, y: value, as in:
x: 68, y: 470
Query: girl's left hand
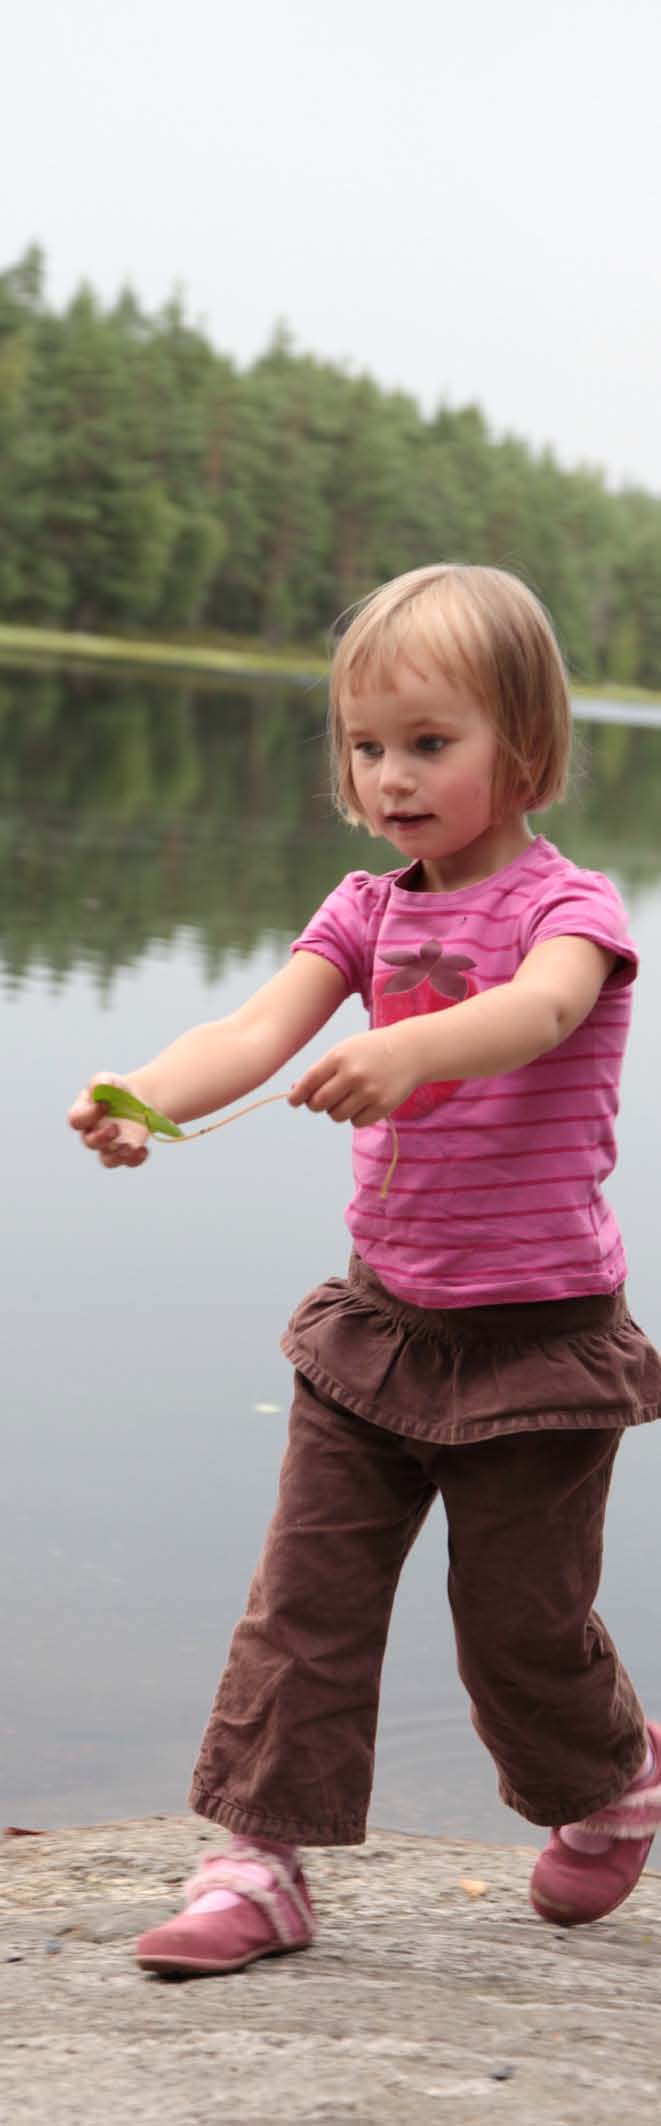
x: 360, y: 1080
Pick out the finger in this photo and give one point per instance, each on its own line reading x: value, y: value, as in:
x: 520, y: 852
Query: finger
x: 361, y: 1117
x: 123, y: 1155
x: 100, y: 1137
x: 85, y: 1109
x: 353, y: 1107
x: 316, y: 1100
x: 84, y: 1112
x: 327, y: 1099
x: 122, y: 1135
x: 302, y: 1093
x: 311, y: 1082
x: 342, y: 1110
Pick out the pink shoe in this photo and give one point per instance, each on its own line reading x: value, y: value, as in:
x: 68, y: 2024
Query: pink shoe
x: 570, y: 1888
x: 273, y: 1914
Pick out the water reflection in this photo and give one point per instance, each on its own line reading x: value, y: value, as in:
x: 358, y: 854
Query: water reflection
x: 130, y: 810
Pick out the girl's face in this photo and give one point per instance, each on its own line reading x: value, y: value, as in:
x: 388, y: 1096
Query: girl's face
x: 423, y: 755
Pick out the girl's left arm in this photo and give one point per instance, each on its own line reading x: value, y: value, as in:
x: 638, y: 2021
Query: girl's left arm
x: 362, y: 1079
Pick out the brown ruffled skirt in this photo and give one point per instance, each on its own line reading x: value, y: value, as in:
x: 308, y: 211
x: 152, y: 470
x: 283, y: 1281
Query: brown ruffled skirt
x: 472, y: 1373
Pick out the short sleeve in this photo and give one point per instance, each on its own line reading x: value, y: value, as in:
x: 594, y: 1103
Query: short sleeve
x: 344, y: 928
x: 583, y: 904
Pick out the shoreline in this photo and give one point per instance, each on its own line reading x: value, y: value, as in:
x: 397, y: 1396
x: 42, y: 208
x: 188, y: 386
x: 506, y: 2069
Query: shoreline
x: 39, y: 645
x: 252, y: 661
x: 430, y: 1986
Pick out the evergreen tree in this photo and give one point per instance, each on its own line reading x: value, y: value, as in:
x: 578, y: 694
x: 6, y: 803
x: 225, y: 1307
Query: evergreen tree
x: 146, y: 484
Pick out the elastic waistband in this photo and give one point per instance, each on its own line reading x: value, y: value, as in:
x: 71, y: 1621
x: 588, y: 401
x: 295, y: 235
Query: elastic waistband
x: 521, y: 1322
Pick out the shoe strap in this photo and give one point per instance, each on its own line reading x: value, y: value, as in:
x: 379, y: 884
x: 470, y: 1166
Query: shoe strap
x: 635, y: 1815
x: 225, y: 1872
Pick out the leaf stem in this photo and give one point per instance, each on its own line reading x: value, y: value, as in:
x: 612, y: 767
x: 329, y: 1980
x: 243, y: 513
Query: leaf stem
x: 188, y: 1134
x: 265, y: 1101
x: 385, y: 1185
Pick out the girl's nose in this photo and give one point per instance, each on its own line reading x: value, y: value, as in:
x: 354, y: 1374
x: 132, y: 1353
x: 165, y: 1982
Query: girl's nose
x: 397, y: 773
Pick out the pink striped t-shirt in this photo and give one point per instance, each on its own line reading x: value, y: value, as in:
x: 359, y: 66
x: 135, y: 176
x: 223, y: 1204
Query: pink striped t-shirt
x: 497, y: 1193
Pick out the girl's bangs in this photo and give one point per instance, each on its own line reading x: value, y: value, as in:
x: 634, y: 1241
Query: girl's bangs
x: 419, y: 635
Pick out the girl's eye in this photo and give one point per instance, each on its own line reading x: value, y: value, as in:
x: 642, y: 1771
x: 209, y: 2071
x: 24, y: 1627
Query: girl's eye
x: 430, y: 744
x: 368, y: 747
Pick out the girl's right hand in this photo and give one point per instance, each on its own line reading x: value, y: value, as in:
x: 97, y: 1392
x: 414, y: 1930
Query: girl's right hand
x: 118, y: 1142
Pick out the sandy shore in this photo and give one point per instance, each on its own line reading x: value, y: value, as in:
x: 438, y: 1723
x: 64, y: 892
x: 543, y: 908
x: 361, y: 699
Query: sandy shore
x: 433, y: 1992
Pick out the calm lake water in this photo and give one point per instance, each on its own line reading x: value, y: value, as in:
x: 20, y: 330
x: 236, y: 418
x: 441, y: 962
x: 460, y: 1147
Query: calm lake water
x: 159, y: 847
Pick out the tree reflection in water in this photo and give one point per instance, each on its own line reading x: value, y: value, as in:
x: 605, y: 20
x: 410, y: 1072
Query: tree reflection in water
x: 133, y: 810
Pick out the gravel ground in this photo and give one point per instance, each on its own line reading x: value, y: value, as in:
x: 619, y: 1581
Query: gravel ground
x: 432, y: 1992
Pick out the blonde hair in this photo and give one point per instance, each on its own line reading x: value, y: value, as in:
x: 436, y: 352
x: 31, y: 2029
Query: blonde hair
x: 479, y: 627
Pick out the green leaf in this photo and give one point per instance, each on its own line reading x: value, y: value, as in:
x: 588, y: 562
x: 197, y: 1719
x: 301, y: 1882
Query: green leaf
x: 126, y: 1105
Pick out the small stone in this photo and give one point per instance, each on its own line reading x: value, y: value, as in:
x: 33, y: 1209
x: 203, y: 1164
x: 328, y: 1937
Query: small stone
x: 53, y: 1948
x: 20, y: 1830
x: 473, y: 1887
x: 502, y: 2074
x: 14, y: 1956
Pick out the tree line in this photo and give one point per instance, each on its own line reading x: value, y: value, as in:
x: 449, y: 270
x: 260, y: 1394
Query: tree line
x: 148, y: 483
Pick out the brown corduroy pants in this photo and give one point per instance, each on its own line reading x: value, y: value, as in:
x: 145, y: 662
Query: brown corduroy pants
x: 289, y: 1749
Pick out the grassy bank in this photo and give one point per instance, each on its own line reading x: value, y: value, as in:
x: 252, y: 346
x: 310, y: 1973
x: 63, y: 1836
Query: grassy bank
x: 34, y: 644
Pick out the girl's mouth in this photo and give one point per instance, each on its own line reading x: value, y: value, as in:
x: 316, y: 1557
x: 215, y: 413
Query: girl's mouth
x: 408, y: 819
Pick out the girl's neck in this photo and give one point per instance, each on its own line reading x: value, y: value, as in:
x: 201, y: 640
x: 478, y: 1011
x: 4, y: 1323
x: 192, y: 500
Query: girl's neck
x: 466, y: 867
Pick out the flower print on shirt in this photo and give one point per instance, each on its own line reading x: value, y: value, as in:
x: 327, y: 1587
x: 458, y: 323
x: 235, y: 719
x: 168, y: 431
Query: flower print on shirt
x: 426, y: 978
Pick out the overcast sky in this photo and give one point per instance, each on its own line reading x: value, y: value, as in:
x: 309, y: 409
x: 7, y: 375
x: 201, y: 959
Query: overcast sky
x: 461, y: 196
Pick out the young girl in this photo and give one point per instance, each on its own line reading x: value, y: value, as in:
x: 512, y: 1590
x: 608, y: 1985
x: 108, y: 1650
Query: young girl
x: 480, y: 1345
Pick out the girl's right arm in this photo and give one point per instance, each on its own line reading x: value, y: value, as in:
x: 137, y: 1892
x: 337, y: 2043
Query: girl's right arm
x: 214, y: 1064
